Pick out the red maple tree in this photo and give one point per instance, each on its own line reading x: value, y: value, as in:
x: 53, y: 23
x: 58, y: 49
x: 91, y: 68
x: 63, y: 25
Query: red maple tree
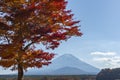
x: 24, y: 23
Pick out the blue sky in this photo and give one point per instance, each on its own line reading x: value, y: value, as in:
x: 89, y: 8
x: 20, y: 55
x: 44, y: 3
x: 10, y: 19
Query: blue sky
x: 100, y: 25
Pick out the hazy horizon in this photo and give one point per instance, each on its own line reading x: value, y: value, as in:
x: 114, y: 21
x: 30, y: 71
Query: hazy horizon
x: 100, y: 42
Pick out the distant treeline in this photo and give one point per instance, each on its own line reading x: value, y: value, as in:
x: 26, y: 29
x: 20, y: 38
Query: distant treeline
x: 53, y: 77
x: 109, y: 74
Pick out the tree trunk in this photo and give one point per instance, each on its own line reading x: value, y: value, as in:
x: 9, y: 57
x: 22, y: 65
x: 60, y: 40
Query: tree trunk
x: 20, y: 72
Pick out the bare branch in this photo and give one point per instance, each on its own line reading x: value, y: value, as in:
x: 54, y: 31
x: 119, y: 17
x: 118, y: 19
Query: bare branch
x: 26, y: 47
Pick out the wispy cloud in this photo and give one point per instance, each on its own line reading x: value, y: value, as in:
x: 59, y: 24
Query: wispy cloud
x: 103, y: 53
x: 102, y: 59
x: 108, y: 59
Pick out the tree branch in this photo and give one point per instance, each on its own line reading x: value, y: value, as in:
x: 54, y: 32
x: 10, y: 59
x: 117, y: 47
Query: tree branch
x: 26, y: 47
x: 7, y: 39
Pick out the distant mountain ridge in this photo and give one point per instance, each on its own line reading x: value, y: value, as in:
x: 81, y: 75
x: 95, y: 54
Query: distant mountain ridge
x: 68, y: 71
x: 65, y: 65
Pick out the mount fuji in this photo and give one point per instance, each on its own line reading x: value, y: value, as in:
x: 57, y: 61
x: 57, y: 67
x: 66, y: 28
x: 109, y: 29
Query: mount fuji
x: 65, y: 65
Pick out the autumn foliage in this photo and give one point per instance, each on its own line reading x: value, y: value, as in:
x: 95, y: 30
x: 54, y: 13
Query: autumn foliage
x: 24, y: 23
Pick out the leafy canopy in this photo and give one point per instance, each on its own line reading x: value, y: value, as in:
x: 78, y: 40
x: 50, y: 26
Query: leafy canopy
x: 24, y: 23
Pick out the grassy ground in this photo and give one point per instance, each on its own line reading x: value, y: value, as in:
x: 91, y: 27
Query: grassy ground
x: 42, y: 77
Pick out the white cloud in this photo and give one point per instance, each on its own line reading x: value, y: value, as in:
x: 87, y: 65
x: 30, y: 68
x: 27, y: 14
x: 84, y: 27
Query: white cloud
x: 107, y: 59
x: 101, y: 59
x: 103, y: 53
x: 115, y: 59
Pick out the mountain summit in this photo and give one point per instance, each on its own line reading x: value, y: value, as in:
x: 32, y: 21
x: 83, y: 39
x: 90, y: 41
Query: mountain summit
x: 65, y: 65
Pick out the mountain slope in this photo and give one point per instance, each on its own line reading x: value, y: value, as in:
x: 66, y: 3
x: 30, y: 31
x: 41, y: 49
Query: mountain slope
x: 68, y: 71
x: 71, y: 61
x: 65, y: 64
